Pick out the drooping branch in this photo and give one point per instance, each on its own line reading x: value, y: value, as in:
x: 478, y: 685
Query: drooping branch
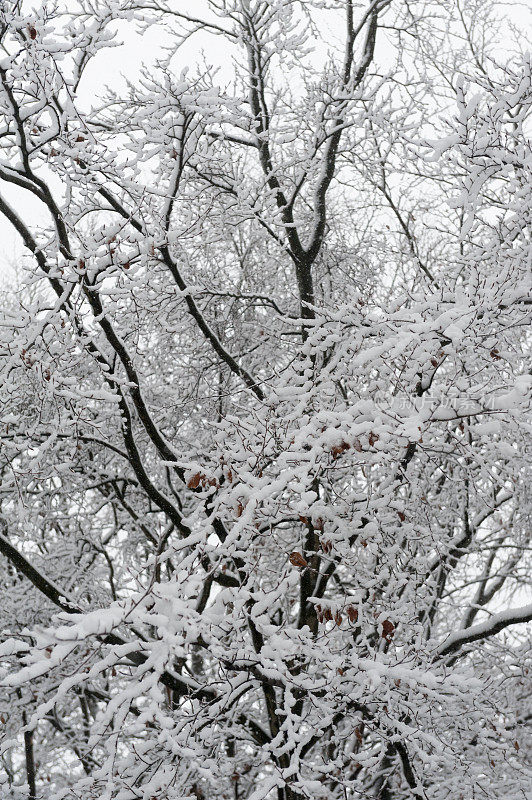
x: 484, y: 630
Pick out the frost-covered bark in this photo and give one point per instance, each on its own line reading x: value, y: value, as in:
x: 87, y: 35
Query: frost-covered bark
x: 265, y: 405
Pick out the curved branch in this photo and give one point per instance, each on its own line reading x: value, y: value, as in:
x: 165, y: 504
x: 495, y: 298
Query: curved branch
x: 484, y: 630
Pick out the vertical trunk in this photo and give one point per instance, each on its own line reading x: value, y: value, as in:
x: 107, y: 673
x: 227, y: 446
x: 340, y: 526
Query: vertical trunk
x: 30, y: 760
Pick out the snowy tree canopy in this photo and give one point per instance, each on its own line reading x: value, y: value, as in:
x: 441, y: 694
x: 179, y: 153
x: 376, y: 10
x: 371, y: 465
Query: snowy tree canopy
x: 265, y: 401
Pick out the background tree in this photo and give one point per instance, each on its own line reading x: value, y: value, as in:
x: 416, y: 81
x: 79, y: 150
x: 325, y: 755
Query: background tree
x: 265, y: 433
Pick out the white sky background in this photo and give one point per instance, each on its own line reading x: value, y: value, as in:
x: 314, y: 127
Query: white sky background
x: 111, y: 67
